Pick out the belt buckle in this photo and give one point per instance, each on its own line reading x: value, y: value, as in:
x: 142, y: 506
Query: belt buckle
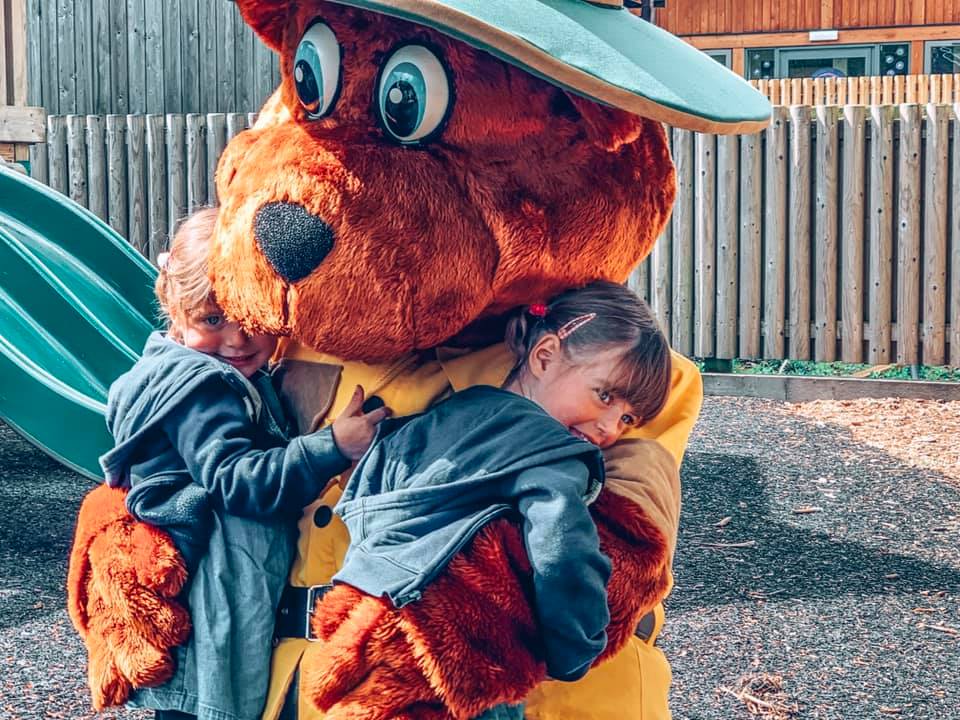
x: 314, y: 593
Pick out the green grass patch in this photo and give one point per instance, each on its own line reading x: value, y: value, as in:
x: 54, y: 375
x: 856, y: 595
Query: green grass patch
x: 809, y: 368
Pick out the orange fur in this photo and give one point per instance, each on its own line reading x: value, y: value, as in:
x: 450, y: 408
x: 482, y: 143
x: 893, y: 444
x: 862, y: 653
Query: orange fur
x: 122, y: 583
x: 471, y: 642
x: 528, y: 191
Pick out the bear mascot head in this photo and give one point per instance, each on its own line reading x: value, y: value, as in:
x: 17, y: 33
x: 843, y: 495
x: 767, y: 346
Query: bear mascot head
x: 424, y: 168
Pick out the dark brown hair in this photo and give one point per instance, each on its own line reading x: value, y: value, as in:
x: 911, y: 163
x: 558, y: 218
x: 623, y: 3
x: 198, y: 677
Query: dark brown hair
x: 622, y: 320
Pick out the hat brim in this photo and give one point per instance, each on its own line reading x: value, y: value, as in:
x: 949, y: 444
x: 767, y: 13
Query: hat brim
x: 606, y: 54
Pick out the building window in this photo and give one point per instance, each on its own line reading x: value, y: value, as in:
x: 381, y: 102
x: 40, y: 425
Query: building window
x: 724, y: 57
x: 894, y: 59
x: 761, y: 64
x: 943, y: 57
x: 825, y: 62
x: 837, y: 61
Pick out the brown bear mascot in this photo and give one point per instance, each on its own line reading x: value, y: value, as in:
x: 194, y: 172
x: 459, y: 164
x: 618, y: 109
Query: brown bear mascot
x: 424, y: 168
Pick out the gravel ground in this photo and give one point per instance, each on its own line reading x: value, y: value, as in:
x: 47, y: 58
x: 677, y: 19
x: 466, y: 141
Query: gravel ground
x: 815, y: 578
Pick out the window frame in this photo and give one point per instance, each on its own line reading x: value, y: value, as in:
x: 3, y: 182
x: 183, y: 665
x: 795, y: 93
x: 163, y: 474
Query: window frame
x: 726, y: 54
x: 928, y: 48
x: 782, y: 55
x: 871, y: 53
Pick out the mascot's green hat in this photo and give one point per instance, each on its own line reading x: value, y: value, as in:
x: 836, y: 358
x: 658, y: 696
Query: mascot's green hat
x: 600, y: 50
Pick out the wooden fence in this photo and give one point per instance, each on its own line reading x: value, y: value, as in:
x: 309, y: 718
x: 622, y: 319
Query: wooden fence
x: 13, y: 56
x: 830, y: 235
x: 143, y: 56
x: 887, y: 90
x: 141, y: 174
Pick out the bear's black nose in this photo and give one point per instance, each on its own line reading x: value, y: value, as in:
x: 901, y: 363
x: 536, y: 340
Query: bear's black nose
x: 293, y: 240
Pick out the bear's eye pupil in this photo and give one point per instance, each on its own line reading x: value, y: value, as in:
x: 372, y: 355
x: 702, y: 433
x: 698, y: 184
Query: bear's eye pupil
x: 413, y: 95
x: 402, y: 108
x: 316, y: 70
x: 307, y: 88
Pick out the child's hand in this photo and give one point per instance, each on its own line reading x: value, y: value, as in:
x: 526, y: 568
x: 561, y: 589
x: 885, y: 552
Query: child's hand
x: 353, y: 430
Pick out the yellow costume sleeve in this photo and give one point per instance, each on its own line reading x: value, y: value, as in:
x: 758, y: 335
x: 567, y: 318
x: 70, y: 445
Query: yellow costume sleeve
x: 672, y: 427
x: 635, y: 683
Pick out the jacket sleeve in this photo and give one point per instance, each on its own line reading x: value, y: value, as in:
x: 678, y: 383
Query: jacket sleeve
x: 569, y: 572
x: 215, y: 438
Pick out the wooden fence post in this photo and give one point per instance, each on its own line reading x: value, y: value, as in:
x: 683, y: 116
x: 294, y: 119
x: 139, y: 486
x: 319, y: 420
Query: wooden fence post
x: 851, y: 261
x: 798, y: 237
x: 908, y: 237
x: 176, y: 168
x: 236, y: 123
x: 96, y: 167
x: 775, y: 234
x: 57, y: 152
x: 882, y: 214
x: 77, y: 158
x: 660, y: 272
x: 705, y: 251
x: 936, y: 181
x: 683, y: 222
x: 728, y: 244
x: 955, y: 240
x: 137, y: 185
x: 117, y: 173
x: 216, y: 142
x: 157, y: 209
x: 751, y: 219
x: 825, y: 252
x: 196, y: 162
x: 639, y: 280
x: 39, y: 163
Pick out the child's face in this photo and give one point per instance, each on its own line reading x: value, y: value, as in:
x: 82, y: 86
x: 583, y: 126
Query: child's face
x: 206, y: 329
x: 577, y: 396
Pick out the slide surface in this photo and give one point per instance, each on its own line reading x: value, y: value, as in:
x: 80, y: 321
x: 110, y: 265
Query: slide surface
x: 76, y: 306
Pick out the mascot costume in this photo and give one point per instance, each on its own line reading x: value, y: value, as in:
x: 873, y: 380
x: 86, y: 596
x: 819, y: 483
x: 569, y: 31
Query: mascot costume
x: 425, y: 167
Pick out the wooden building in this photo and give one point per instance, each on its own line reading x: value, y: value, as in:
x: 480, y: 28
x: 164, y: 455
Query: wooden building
x: 766, y: 39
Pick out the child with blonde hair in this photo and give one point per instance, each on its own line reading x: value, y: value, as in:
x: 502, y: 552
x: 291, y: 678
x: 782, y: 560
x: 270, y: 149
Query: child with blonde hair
x: 203, y: 446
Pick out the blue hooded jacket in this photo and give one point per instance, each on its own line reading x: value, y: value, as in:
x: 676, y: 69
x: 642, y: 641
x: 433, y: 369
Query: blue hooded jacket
x: 432, y: 481
x: 193, y: 434
x: 205, y: 453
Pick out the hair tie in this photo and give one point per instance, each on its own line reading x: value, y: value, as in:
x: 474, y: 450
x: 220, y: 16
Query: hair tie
x: 162, y: 260
x: 538, y: 310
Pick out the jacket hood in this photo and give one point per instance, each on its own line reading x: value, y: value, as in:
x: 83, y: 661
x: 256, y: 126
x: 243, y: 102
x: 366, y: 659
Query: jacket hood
x: 140, y: 399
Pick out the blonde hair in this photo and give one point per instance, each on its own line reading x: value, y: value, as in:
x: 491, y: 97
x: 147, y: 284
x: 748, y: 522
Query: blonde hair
x: 184, y: 282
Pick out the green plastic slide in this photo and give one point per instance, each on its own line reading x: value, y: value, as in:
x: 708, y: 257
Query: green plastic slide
x: 76, y: 306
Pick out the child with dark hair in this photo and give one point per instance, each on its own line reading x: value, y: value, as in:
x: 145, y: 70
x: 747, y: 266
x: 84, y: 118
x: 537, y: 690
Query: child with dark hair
x: 590, y: 364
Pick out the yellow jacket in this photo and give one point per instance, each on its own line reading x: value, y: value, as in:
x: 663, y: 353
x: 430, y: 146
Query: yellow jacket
x: 631, y: 686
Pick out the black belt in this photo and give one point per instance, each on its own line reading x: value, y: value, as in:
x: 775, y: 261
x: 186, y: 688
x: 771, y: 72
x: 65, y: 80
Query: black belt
x: 297, y: 604
x: 295, y: 609
x: 646, y: 626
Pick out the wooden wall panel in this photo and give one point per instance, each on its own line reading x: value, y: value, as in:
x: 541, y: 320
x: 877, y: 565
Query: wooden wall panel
x: 705, y: 17
x: 135, y: 56
x: 721, y: 17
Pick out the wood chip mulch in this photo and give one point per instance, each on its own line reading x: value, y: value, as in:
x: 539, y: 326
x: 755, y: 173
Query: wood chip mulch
x: 920, y: 433
x: 763, y: 696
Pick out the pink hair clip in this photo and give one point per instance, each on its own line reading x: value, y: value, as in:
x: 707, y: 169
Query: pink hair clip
x: 569, y: 328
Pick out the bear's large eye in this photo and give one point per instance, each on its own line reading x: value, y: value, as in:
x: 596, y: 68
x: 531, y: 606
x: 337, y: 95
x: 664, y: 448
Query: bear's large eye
x: 316, y: 70
x: 413, y: 94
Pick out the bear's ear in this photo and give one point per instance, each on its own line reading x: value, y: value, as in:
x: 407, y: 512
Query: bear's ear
x: 607, y: 127
x: 267, y: 18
